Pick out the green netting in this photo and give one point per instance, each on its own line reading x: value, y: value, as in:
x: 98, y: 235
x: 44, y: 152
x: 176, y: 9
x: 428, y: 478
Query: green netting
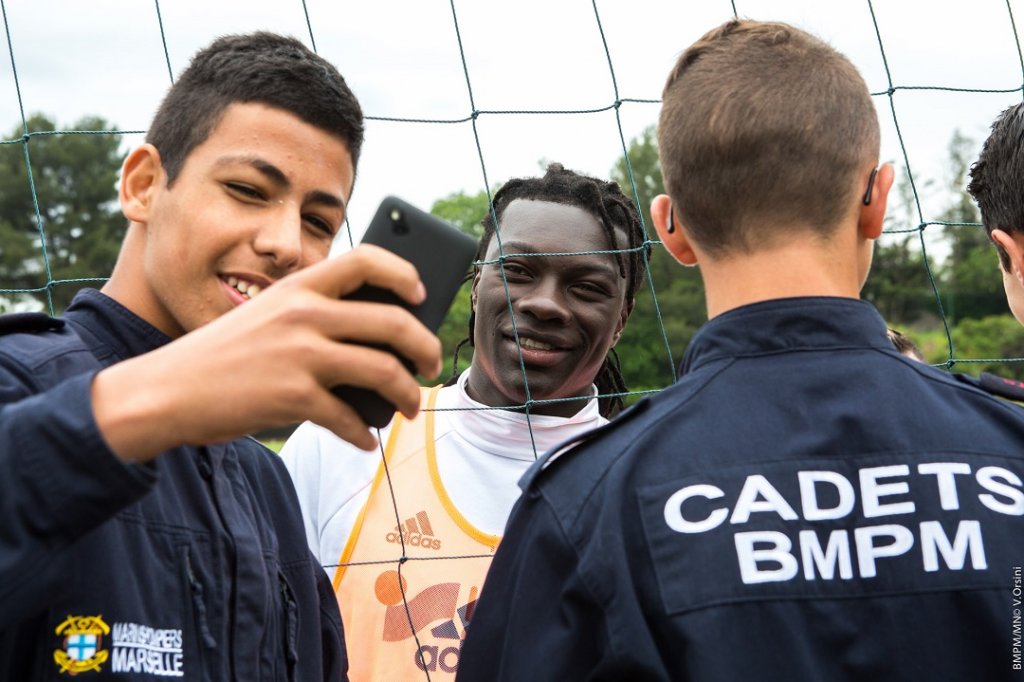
x: 615, y: 103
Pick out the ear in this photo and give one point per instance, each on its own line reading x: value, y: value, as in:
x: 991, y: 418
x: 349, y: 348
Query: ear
x: 1014, y: 250
x: 872, y: 215
x: 620, y: 324
x: 141, y: 174
x: 472, y: 291
x: 676, y: 242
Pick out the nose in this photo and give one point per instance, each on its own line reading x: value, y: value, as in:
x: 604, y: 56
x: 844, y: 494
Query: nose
x: 279, y: 238
x: 545, y: 300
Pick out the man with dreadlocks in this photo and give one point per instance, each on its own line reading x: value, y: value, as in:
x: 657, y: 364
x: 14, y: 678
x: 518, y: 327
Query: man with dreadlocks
x: 554, y: 285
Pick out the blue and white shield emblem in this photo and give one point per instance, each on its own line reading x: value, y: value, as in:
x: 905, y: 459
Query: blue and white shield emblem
x: 82, y: 644
x: 81, y: 647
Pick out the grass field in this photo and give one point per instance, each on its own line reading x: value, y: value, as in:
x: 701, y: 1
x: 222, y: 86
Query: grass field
x: 274, y: 445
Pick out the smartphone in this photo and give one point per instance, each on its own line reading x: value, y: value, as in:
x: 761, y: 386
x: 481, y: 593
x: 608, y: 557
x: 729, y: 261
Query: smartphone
x: 442, y: 255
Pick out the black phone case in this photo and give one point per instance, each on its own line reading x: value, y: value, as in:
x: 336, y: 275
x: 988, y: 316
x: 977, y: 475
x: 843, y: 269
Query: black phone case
x: 442, y: 256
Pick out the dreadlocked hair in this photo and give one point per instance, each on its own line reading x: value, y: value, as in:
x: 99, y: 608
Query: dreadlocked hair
x: 606, y: 201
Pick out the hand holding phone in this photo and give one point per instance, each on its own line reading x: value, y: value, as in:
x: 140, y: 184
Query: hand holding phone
x: 441, y: 254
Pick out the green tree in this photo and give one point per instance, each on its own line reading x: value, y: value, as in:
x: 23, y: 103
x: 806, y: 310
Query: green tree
x: 670, y: 305
x: 75, y: 181
x: 990, y: 338
x: 465, y: 211
x: 969, y: 281
x: 899, y: 285
x: 972, y: 285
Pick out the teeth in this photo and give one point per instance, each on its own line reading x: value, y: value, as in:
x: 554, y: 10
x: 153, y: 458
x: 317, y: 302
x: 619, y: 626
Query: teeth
x: 533, y: 344
x: 245, y: 288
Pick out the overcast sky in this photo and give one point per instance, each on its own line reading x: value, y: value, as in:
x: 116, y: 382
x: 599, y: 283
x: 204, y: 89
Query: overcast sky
x: 402, y: 59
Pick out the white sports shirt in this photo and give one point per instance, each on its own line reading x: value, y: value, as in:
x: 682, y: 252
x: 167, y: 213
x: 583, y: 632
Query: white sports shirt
x: 481, y: 455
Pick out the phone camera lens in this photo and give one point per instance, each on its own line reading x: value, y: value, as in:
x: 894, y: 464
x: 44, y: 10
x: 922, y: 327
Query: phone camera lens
x: 398, y: 225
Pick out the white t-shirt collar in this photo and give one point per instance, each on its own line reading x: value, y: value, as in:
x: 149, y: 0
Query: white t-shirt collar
x: 511, y: 433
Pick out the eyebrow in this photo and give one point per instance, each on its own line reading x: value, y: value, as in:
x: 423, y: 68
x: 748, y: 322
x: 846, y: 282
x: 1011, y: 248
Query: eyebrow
x: 326, y: 198
x: 278, y: 177
x: 523, y: 247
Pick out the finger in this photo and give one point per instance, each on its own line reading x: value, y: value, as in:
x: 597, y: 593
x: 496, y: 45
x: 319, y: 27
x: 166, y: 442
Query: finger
x: 364, y: 367
x: 365, y: 264
x: 338, y: 417
x: 377, y: 323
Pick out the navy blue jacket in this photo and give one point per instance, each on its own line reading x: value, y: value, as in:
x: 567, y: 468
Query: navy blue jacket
x: 803, y: 504
x: 194, y: 565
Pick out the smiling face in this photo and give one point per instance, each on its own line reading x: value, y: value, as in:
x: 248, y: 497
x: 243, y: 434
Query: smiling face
x: 261, y: 197
x: 568, y: 310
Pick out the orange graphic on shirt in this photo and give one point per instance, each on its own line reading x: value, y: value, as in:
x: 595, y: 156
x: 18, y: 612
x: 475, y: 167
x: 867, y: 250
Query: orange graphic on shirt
x: 434, y: 603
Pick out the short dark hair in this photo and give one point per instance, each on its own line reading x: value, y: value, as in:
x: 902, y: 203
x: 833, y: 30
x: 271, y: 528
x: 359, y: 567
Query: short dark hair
x: 605, y: 201
x: 257, y: 67
x: 997, y: 177
x: 904, y: 345
x: 761, y: 125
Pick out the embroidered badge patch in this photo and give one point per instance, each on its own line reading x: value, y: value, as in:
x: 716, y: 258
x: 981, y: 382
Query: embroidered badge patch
x: 82, y: 645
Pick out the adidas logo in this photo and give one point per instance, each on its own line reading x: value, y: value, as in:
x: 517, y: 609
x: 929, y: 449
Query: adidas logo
x: 416, y: 532
x: 406, y: 615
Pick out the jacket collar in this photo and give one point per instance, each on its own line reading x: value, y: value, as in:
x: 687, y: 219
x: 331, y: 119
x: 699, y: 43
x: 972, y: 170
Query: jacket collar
x: 109, y: 325
x: 784, y: 325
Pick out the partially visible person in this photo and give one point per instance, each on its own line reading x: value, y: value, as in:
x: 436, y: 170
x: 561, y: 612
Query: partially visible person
x: 905, y: 345
x: 144, y: 536
x: 996, y: 180
x: 542, y: 328
x: 1001, y: 387
x: 804, y: 503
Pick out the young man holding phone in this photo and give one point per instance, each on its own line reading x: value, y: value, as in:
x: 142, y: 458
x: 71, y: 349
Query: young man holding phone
x: 144, y: 535
x: 408, y: 537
